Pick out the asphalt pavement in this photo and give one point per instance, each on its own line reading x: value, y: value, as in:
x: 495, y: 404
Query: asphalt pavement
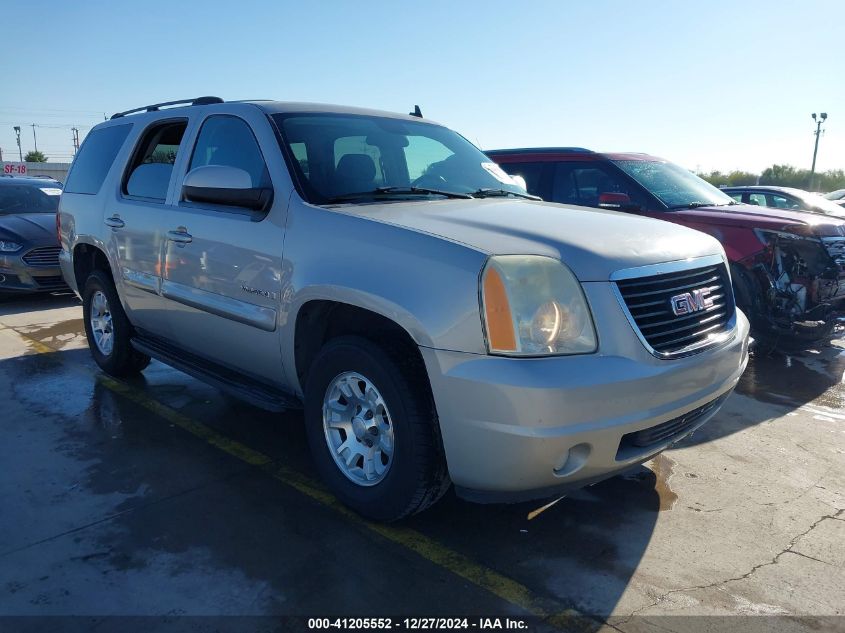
x: 162, y: 497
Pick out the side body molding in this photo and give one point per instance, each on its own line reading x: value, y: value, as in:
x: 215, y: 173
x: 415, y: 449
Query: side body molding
x: 142, y: 280
x: 257, y: 316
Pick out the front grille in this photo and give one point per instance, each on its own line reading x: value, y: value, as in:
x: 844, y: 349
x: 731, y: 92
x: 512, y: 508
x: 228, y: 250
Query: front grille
x: 43, y: 257
x: 662, y: 433
x: 649, y: 303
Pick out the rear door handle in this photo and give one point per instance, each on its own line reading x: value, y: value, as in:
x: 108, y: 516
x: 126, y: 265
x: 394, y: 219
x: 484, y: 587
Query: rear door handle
x: 180, y: 236
x: 115, y: 222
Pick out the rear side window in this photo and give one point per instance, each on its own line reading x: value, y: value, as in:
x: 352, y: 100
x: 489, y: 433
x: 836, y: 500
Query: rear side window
x: 152, y: 163
x: 228, y: 140
x: 422, y: 152
x: 357, y: 160
x: 583, y: 184
x: 300, y: 153
x: 95, y: 158
x: 782, y: 202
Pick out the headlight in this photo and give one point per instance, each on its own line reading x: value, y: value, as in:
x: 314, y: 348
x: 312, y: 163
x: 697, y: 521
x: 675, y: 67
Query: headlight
x: 534, y: 306
x: 9, y: 247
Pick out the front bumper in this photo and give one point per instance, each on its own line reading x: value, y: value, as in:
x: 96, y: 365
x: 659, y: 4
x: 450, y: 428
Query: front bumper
x: 16, y: 276
x: 515, y: 429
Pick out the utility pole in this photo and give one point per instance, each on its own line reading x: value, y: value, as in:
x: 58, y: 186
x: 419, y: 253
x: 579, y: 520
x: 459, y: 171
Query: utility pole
x: 818, y: 134
x: 34, y: 140
x: 18, y: 134
x: 75, y: 139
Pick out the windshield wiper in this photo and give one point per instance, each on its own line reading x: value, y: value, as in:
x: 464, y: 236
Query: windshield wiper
x: 501, y: 193
x: 397, y: 191
x: 694, y: 205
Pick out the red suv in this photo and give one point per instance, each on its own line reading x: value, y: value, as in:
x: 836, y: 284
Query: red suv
x: 788, y: 267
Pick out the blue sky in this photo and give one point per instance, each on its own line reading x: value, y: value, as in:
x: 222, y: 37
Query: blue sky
x: 708, y: 84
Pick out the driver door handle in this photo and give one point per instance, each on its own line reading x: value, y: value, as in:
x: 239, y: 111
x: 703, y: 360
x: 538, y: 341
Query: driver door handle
x: 115, y: 222
x: 180, y: 236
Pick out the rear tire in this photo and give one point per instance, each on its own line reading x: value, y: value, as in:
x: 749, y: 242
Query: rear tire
x: 414, y: 476
x: 109, y: 332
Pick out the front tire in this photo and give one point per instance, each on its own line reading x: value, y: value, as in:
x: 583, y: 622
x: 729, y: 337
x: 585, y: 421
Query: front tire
x: 373, y: 429
x: 107, y: 328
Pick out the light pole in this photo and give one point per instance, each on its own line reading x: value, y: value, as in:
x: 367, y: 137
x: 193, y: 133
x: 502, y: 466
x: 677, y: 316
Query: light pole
x: 18, y: 134
x: 34, y: 140
x: 818, y: 133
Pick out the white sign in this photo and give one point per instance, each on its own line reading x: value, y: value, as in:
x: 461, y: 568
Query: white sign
x: 14, y: 168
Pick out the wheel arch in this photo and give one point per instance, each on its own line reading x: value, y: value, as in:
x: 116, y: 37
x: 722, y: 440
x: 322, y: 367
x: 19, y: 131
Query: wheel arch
x: 87, y: 257
x: 320, y: 319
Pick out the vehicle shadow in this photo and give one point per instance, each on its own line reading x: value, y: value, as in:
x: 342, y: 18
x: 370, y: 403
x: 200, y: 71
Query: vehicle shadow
x: 184, y: 514
x: 579, y: 553
x: 23, y: 303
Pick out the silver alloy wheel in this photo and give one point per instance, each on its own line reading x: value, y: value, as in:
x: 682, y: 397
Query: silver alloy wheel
x: 358, y: 428
x: 101, y: 323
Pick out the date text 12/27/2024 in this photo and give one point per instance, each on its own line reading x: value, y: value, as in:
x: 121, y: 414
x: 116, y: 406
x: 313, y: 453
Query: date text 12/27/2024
x: 418, y: 624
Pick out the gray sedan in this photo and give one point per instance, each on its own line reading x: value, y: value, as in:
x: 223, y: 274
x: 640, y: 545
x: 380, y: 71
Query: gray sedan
x: 29, y: 248
x: 785, y: 198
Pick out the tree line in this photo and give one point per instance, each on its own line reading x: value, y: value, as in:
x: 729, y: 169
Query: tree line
x: 781, y: 176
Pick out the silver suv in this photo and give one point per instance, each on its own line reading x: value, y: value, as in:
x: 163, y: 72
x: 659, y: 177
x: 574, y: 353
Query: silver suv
x: 437, y: 324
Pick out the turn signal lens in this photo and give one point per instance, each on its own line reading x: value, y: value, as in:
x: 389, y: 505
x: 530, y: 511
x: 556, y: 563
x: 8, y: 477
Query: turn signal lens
x: 497, y: 310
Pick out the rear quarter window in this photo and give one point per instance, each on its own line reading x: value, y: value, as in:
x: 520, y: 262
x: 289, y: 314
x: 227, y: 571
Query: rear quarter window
x: 95, y: 158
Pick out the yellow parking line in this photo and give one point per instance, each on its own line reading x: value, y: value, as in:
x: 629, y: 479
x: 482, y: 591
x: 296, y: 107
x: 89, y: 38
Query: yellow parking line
x: 499, y: 585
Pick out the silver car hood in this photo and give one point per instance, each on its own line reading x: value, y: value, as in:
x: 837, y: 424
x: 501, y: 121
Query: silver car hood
x: 593, y: 242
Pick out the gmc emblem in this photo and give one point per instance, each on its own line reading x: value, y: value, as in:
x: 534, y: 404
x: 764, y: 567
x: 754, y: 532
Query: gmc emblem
x: 690, y: 302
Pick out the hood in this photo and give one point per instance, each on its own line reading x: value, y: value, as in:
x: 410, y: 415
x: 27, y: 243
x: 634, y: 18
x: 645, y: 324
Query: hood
x: 36, y: 229
x: 594, y: 243
x: 752, y: 216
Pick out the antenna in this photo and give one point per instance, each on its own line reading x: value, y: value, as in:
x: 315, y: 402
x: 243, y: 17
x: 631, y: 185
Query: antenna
x: 417, y: 112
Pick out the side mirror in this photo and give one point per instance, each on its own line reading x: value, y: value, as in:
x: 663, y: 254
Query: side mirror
x: 615, y: 200
x: 221, y: 184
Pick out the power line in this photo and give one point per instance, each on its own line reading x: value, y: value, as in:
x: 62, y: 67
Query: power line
x: 92, y: 112
x: 50, y: 125
x: 57, y: 126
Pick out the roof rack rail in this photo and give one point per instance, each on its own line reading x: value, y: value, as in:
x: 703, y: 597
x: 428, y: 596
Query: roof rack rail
x: 156, y: 106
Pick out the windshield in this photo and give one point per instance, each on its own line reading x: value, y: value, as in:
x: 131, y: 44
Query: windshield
x: 674, y: 186
x: 339, y: 156
x: 21, y: 198
x: 821, y: 203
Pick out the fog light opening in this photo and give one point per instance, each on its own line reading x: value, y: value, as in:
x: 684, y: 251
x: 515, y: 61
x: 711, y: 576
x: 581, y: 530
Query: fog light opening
x: 573, y: 460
